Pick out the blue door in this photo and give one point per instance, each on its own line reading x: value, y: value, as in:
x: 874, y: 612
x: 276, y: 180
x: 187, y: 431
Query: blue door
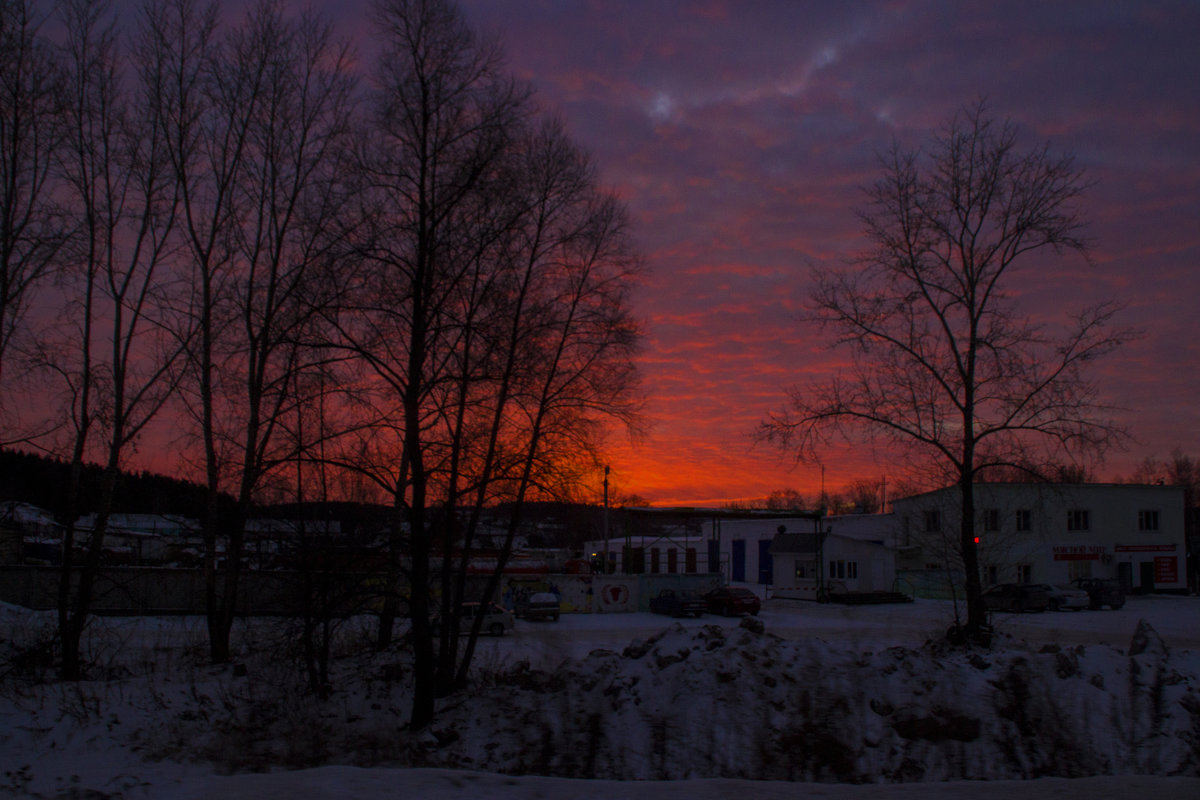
x: 765, y: 562
x: 738, y: 556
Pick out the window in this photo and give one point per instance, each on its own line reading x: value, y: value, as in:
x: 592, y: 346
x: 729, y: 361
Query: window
x: 837, y: 569
x: 851, y: 569
x: 806, y: 570
x: 933, y: 521
x: 1024, y: 573
x: 1024, y: 519
x: 993, y: 575
x: 1077, y: 519
x: 1147, y: 520
x: 655, y: 560
x: 991, y: 519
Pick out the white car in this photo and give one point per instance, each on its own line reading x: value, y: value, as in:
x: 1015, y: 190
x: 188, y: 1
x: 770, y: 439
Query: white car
x: 496, y: 619
x: 1064, y: 597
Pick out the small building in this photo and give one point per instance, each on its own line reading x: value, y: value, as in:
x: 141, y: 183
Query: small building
x: 1051, y: 533
x: 649, y: 555
x: 29, y: 533
x: 744, y: 545
x: 815, y: 566
x: 739, y: 546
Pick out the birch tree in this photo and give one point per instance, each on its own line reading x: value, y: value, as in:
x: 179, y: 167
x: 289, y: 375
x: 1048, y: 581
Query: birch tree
x: 114, y: 356
x: 33, y: 228
x: 258, y: 119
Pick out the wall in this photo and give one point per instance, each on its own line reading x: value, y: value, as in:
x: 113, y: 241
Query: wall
x: 875, y: 568
x: 1111, y: 547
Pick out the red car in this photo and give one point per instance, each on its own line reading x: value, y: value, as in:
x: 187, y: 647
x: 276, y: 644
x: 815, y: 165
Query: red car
x: 732, y: 600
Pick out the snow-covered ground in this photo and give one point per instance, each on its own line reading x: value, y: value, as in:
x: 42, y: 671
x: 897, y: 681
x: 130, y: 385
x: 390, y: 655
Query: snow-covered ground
x: 825, y: 693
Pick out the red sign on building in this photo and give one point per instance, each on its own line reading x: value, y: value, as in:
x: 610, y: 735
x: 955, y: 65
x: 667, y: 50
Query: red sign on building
x: 1166, y: 569
x: 1078, y: 552
x: 1145, y: 548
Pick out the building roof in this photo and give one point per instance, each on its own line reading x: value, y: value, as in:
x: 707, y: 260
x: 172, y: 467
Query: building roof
x: 1041, y: 485
x: 795, y: 543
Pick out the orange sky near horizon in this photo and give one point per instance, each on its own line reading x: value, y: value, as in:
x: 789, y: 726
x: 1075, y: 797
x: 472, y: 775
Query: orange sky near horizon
x: 740, y: 135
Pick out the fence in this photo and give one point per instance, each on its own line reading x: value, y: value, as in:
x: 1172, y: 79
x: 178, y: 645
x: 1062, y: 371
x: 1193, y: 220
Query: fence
x: 166, y: 590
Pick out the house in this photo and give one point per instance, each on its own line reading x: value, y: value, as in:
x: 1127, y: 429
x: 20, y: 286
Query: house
x: 28, y: 533
x: 1050, y: 533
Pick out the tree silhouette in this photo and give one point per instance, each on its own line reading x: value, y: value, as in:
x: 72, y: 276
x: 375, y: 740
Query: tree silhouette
x: 944, y: 363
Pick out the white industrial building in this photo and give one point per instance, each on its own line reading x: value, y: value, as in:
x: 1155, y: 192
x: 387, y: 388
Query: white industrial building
x: 1052, y: 533
x: 745, y: 550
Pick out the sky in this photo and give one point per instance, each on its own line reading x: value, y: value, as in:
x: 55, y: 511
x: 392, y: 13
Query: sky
x: 741, y: 135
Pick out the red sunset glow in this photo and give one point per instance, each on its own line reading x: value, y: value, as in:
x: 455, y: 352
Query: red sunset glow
x: 739, y: 134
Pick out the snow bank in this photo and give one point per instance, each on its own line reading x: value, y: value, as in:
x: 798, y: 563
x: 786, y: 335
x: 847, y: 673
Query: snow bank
x: 686, y: 703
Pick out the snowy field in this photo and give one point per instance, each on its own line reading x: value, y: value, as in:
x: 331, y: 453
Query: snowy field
x: 634, y: 695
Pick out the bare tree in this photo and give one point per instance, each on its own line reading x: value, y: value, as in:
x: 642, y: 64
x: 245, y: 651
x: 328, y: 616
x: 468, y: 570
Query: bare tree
x: 944, y: 363
x: 564, y: 354
x: 491, y: 321
x: 32, y: 227
x: 115, y: 359
x: 442, y: 115
x: 258, y: 121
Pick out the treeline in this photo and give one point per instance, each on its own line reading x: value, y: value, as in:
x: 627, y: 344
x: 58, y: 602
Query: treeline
x: 42, y: 481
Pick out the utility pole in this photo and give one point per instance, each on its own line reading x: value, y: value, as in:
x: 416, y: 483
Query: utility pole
x: 606, y: 519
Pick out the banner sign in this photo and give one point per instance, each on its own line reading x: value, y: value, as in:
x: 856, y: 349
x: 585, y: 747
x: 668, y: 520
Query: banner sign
x: 1078, y: 552
x: 1145, y: 548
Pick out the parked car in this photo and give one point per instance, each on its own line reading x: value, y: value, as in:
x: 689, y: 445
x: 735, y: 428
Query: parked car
x: 539, y: 605
x: 496, y: 619
x: 1065, y: 597
x: 1101, y: 592
x: 731, y: 600
x: 1016, y: 597
x: 678, y: 603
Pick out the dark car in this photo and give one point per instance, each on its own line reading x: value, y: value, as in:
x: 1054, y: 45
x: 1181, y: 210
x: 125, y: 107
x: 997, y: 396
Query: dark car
x: 1016, y: 597
x: 539, y: 605
x: 678, y: 603
x: 1101, y: 592
x: 731, y: 600
x: 1065, y: 597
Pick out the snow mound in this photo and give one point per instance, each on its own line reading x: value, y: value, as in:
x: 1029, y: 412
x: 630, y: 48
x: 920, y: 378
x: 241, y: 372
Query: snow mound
x: 709, y: 702
x: 699, y: 702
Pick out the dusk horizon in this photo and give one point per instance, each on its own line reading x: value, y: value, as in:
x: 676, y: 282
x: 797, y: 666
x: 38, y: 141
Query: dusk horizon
x: 741, y: 138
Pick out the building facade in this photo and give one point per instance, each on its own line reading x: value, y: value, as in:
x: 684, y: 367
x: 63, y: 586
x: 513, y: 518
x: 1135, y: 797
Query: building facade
x: 813, y: 566
x: 1051, y: 533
